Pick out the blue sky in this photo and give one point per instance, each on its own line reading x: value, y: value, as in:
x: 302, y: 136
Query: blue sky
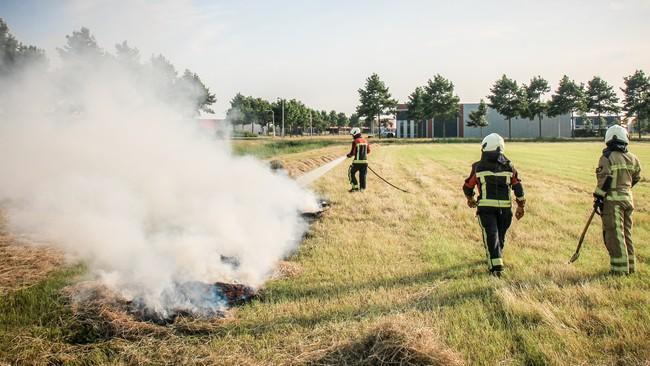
x: 322, y: 51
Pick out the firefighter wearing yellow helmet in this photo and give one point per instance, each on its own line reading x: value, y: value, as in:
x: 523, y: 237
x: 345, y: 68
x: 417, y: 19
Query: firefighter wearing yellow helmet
x: 618, y: 171
x: 495, y: 177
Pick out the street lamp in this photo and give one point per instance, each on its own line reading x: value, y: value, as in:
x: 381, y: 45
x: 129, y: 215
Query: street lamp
x: 282, y: 101
x: 273, y: 120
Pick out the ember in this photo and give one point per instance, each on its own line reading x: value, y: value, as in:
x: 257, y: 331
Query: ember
x: 199, y: 300
x: 236, y: 294
x: 323, y: 205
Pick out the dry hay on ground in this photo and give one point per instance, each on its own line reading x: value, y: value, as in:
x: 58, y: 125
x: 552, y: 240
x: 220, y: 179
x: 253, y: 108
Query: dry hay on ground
x: 395, y: 342
x: 287, y: 269
x: 297, y: 167
x: 24, y: 263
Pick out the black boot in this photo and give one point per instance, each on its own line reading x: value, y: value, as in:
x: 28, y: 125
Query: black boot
x: 496, y: 271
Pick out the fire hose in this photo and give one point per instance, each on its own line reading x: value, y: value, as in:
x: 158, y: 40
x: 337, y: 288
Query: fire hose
x: 387, y: 182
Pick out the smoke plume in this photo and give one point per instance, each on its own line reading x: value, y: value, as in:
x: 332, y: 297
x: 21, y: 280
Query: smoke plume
x: 96, y: 160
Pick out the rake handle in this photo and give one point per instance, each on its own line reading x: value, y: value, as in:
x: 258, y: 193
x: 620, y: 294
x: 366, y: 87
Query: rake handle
x: 582, y: 237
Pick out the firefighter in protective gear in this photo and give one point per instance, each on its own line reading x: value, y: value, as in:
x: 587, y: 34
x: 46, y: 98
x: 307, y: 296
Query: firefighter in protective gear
x: 495, y: 177
x: 618, y: 171
x: 359, y: 153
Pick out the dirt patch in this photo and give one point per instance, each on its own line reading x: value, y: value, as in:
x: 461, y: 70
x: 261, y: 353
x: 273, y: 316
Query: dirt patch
x: 392, y: 343
x: 22, y: 262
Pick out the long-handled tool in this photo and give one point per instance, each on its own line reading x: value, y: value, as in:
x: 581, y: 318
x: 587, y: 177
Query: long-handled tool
x: 582, y: 238
x: 387, y: 182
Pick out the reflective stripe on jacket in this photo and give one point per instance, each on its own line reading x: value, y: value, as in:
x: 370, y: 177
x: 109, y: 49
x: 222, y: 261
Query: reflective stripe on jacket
x: 625, y: 171
x: 494, y: 180
x: 360, y: 150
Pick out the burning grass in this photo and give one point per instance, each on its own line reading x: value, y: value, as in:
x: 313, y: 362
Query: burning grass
x: 397, y: 278
x: 101, y: 313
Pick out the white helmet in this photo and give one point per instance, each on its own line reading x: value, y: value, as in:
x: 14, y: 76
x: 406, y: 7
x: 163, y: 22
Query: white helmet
x: 355, y: 131
x: 617, y: 133
x: 493, y: 142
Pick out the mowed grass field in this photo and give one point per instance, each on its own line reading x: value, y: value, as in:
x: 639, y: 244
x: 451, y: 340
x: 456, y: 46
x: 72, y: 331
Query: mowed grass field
x: 394, y: 277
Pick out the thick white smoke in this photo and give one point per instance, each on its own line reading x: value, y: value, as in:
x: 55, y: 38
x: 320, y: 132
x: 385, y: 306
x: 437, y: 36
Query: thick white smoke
x: 96, y: 162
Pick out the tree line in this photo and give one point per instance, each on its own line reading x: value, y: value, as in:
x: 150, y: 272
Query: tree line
x: 14, y: 55
x: 596, y: 97
x: 81, y: 52
x: 437, y: 99
x: 298, y: 118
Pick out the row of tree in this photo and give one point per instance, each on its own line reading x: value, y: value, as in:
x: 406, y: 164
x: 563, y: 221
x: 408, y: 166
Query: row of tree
x: 297, y: 116
x: 596, y: 97
x: 15, y: 55
x: 437, y: 99
x: 81, y: 52
x: 526, y: 101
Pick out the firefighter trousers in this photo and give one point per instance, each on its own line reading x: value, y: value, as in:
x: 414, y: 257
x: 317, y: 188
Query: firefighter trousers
x: 352, y: 172
x: 494, y: 223
x: 617, y: 233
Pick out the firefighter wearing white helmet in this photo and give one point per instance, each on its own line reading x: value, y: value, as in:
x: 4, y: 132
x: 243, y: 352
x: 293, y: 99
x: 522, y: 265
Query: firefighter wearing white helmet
x: 495, y: 177
x: 492, y: 142
x: 360, y: 150
x: 618, y: 171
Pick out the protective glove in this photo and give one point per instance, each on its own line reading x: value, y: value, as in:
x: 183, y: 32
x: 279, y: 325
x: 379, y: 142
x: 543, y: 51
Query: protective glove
x: 519, y: 213
x: 599, y: 203
x: 471, y: 202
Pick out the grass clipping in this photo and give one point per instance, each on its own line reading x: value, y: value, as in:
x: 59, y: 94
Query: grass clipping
x: 392, y: 343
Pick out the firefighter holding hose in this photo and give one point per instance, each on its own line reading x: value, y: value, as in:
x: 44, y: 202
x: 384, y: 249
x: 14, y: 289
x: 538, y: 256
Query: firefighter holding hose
x: 495, y: 178
x: 359, y: 153
x: 618, y: 171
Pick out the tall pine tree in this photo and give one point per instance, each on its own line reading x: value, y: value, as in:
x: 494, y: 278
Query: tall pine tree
x: 375, y: 100
x: 508, y: 99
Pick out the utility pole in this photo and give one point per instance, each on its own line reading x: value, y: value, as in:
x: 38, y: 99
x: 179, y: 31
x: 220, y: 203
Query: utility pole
x: 311, y: 129
x: 282, y: 117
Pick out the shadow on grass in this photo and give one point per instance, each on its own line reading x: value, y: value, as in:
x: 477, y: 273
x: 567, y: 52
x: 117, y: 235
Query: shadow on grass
x: 354, y: 313
x: 470, y: 269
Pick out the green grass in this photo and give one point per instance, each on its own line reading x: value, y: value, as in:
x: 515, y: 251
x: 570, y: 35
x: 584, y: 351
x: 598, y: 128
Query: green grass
x: 416, y: 259
x: 266, y: 148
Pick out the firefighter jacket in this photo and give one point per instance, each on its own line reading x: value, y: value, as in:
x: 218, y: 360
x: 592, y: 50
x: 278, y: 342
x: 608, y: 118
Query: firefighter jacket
x: 495, y: 177
x: 618, y: 171
x: 360, y: 150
